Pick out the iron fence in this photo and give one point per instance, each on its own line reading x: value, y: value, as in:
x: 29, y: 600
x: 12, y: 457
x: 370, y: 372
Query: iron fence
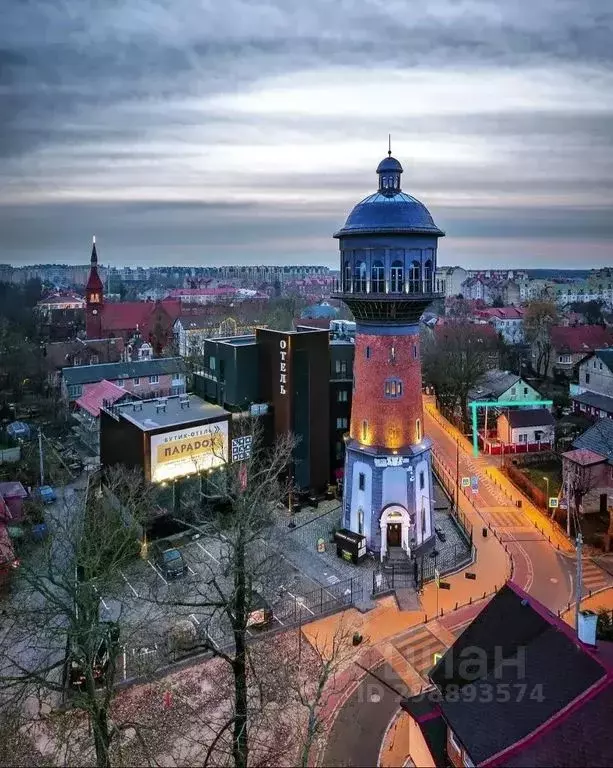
x: 419, y: 571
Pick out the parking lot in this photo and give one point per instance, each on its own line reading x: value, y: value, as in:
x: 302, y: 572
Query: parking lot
x: 155, y: 609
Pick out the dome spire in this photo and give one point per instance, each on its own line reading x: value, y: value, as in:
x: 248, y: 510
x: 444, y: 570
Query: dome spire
x: 389, y: 144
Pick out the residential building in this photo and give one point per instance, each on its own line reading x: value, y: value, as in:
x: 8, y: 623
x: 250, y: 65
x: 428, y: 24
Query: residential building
x: 589, y: 468
x: 592, y: 289
x: 64, y: 354
x: 517, y: 688
x: 448, y: 281
x: 526, y: 429
x: 141, y: 378
x: 510, y: 293
x: 88, y: 407
x: 480, y: 288
x: 508, y: 322
x: 593, y: 395
x: 533, y: 289
x: 503, y: 386
x: 571, y: 345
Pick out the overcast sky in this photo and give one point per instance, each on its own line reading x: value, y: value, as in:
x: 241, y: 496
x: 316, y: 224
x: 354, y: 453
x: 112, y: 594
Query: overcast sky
x: 210, y: 132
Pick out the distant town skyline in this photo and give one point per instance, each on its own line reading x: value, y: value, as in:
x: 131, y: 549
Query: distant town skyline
x: 244, y: 132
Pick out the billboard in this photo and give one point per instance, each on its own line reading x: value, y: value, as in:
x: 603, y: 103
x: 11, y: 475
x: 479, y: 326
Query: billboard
x: 185, y: 451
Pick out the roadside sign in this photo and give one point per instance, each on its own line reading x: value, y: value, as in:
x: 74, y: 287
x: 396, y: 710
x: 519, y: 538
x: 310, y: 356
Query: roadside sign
x: 553, y: 502
x: 466, y: 482
x: 474, y: 483
x: 562, y: 504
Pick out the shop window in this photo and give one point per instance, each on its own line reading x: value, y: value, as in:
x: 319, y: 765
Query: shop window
x: 393, y: 388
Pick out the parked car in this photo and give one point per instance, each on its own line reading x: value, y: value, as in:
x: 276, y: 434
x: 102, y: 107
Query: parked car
x: 47, y: 494
x: 168, y: 559
x: 260, y: 615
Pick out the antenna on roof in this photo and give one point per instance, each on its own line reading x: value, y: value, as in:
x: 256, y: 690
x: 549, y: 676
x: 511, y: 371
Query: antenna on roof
x: 389, y: 144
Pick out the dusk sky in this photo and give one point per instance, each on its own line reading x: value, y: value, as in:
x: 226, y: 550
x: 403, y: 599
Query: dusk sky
x: 195, y: 132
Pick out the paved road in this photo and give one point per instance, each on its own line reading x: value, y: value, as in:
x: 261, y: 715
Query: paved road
x: 540, y: 568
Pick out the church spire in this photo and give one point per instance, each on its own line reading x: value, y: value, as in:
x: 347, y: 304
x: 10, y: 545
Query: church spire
x: 94, y: 259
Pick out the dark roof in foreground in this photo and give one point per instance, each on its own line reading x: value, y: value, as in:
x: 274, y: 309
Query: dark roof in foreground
x: 602, y: 402
x: 173, y: 411
x: 530, y: 417
x: 598, y: 438
x: 517, y: 645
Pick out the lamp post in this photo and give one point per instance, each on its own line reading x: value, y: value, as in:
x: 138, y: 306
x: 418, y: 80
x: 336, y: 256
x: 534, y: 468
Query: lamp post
x: 546, y: 479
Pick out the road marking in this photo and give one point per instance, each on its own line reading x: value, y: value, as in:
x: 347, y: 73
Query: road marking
x: 156, y: 571
x: 101, y: 598
x: 299, y: 602
x: 206, y: 551
x: 191, y: 570
x: 128, y: 583
x: 192, y: 616
x: 276, y: 618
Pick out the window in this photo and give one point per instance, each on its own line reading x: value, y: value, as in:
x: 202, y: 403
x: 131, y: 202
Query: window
x: 525, y: 390
x: 512, y: 390
x: 211, y: 363
x: 360, y: 520
x: 422, y: 481
x: 76, y: 361
x: 393, y: 388
x: 76, y: 390
x: 523, y: 437
x: 341, y: 422
x: 340, y: 367
x: 594, y: 364
x: 360, y: 277
x: 428, y: 276
x: 453, y: 741
x: 347, y: 277
x: 364, y: 430
x: 564, y: 359
x: 392, y: 354
x: 377, y: 277
x: 415, y: 277
x: 397, y: 277
x: 341, y: 396
x: 368, y: 353
x: 137, y: 381
x: 587, y: 378
x: 93, y: 360
x: 339, y: 450
x: 601, y: 366
x: 418, y: 431
x: 154, y: 379
x: 361, y: 481
x: 415, y: 352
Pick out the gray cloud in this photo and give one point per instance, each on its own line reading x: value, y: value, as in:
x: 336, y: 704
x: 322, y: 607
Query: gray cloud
x: 89, y: 90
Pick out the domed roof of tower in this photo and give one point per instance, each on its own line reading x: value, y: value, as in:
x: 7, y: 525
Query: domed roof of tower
x: 389, y: 164
x: 390, y: 210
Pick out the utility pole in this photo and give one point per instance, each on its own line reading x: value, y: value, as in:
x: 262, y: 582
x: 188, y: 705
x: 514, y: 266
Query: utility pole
x: 40, y: 456
x: 457, y: 474
x: 579, y: 580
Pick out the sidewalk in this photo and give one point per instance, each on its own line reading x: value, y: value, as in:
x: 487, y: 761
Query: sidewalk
x: 594, y: 603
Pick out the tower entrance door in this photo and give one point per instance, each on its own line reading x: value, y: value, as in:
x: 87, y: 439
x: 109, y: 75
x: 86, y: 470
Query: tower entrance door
x: 394, y: 531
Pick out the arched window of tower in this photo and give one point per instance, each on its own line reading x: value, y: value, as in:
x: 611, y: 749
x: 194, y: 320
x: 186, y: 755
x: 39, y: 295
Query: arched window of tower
x: 377, y: 277
x: 360, y: 282
x: 428, y: 276
x: 418, y: 431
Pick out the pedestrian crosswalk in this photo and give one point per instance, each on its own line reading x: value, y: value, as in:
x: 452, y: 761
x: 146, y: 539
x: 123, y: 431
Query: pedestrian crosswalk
x: 503, y: 517
x: 418, y: 648
x: 594, y: 578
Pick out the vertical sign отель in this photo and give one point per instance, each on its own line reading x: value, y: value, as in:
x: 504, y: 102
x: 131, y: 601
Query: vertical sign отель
x: 282, y: 366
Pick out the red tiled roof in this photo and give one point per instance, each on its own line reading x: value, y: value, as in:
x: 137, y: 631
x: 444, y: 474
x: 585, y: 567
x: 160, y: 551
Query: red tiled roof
x: 128, y: 315
x: 503, y: 313
x: 93, y: 400
x: 579, y: 339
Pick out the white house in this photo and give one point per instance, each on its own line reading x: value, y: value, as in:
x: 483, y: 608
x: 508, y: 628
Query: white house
x: 526, y: 427
x: 448, y: 280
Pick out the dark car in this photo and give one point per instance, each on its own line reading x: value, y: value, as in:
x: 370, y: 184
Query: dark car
x: 168, y: 559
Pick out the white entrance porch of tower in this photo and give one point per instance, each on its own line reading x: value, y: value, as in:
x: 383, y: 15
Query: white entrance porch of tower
x: 393, y: 515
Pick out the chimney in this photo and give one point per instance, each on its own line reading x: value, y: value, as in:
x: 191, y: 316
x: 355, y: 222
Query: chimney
x: 588, y: 621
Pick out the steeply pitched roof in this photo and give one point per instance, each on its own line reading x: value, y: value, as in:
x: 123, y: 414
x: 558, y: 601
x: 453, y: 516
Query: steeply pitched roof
x: 514, y: 642
x: 88, y: 374
x: 101, y: 393
x: 580, y: 339
x: 606, y: 355
x: 530, y: 417
x: 598, y: 438
x: 493, y: 384
x: 583, y: 456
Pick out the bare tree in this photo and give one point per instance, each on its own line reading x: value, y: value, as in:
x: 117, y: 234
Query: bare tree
x: 539, y: 318
x: 579, y: 480
x: 454, y: 358
x: 237, y: 512
x: 59, y: 642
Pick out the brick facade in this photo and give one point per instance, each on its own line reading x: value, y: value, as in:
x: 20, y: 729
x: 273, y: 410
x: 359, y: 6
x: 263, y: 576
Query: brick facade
x: 377, y: 416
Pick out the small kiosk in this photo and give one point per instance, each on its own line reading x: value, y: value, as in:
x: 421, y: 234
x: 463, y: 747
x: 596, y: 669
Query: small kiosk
x: 350, y: 546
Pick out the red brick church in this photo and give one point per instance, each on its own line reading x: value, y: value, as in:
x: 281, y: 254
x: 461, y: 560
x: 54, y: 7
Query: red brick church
x: 153, y: 320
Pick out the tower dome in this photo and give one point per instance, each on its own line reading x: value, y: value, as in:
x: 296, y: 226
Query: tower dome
x: 389, y: 210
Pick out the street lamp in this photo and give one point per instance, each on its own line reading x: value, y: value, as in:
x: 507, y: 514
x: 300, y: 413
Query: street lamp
x: 546, y: 479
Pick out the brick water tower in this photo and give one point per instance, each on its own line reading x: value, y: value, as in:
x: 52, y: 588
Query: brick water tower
x: 388, y: 260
